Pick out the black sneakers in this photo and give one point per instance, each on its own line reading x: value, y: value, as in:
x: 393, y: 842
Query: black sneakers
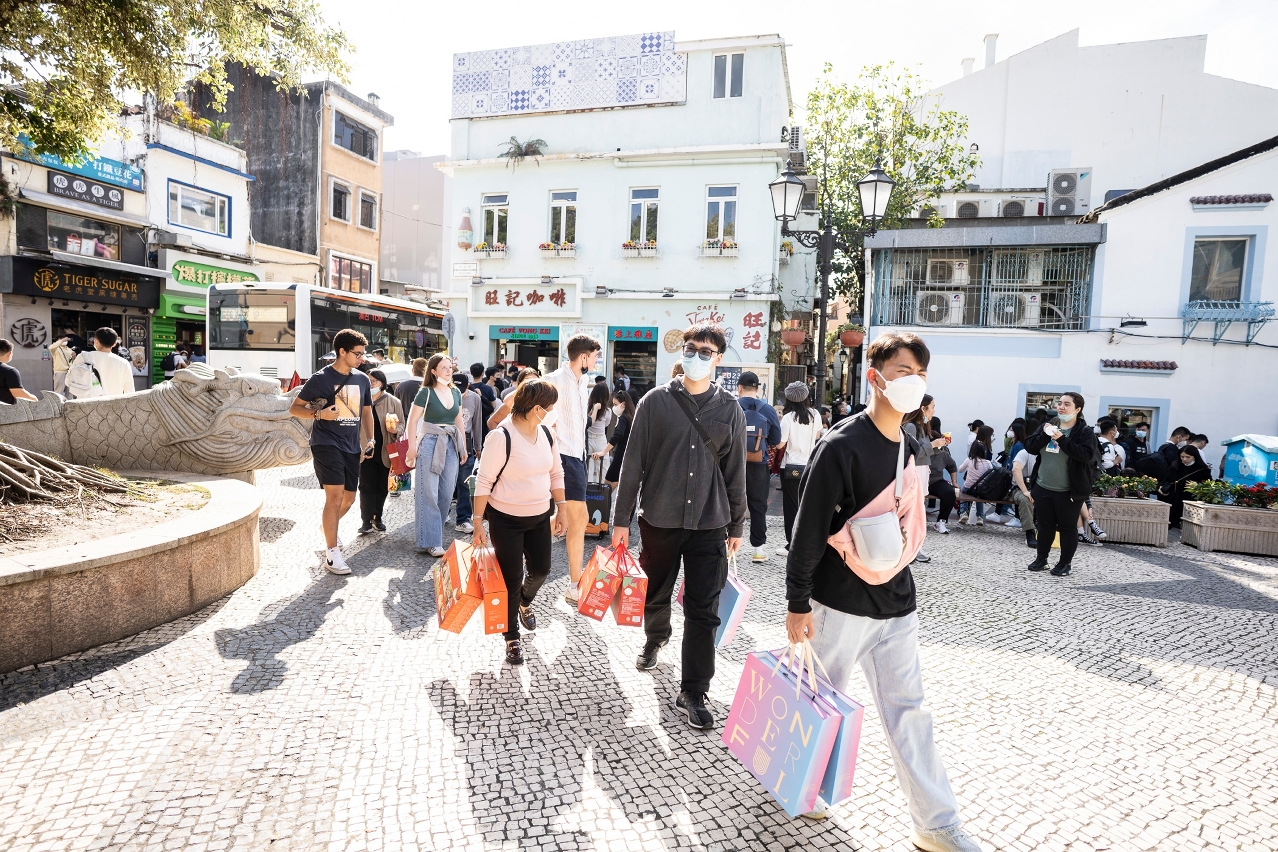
x: 378, y: 525
x: 648, y: 659
x: 366, y: 529
x: 694, y: 704
x: 1031, y: 540
x: 1038, y: 565
x: 1061, y: 570
x: 514, y: 654
x: 527, y: 617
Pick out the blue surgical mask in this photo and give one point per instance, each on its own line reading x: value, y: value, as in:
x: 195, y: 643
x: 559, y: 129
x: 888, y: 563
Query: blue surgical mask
x: 1141, y: 433
x: 695, y: 368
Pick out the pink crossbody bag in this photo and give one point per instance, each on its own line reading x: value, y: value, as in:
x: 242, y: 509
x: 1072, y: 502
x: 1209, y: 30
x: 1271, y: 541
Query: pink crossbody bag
x: 886, y: 535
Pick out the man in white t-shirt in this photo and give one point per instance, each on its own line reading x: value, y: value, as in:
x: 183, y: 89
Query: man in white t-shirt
x: 114, y: 372
x: 1022, y: 469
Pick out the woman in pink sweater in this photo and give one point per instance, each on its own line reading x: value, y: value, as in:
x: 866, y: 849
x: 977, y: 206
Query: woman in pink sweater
x: 519, y: 475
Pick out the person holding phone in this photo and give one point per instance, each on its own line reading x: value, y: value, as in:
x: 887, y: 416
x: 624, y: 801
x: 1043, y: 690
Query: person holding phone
x: 1068, y: 458
x: 339, y: 399
x: 374, y: 469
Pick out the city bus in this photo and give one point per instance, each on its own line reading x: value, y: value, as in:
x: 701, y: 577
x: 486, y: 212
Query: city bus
x: 285, y: 331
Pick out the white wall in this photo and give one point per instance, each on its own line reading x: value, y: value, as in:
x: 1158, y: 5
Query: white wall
x: 415, y: 207
x: 1135, y: 112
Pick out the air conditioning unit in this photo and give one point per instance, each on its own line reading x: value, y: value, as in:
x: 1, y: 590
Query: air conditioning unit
x: 798, y: 149
x: 941, y: 208
x: 1014, y: 208
x: 1015, y: 310
x: 1069, y: 192
x: 939, y: 307
x: 947, y: 273
x: 1017, y: 268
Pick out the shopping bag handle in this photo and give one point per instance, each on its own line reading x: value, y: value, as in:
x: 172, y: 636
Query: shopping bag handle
x: 806, y: 657
x: 732, y: 564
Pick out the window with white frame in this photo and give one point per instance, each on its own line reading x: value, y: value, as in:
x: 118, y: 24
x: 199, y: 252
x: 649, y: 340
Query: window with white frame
x: 643, y: 215
x: 367, y: 210
x: 339, y: 201
x: 1218, y: 269
x: 496, y: 213
x: 563, y: 217
x: 199, y: 209
x: 354, y: 137
x: 728, y: 68
x: 721, y: 213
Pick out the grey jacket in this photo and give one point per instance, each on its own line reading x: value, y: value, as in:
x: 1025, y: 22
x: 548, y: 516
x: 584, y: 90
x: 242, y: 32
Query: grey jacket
x: 681, y: 483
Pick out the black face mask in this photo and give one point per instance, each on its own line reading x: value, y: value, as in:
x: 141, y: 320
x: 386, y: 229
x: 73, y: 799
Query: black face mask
x: 584, y: 370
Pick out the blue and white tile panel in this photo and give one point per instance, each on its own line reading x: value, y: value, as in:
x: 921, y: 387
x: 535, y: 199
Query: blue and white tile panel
x: 586, y: 74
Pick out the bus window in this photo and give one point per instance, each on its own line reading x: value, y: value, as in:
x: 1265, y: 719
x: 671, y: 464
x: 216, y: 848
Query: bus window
x: 243, y: 319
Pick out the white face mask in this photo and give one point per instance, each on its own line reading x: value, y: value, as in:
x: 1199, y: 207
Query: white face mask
x: 1011, y: 434
x: 1066, y: 419
x: 549, y: 419
x: 906, y: 393
x: 376, y: 391
x: 618, y: 410
x: 1180, y: 444
x: 695, y: 369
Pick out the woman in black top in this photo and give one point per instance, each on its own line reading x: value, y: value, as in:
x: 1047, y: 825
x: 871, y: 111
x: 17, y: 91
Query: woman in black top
x: 1189, y: 467
x: 623, y: 408
x: 374, y: 468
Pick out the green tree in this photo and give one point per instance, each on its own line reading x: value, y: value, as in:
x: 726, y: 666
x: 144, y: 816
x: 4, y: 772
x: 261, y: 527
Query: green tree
x: 886, y: 117
x: 65, y: 64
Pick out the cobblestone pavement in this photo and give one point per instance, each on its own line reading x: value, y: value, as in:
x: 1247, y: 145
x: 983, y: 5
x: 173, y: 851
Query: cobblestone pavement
x: 1128, y: 707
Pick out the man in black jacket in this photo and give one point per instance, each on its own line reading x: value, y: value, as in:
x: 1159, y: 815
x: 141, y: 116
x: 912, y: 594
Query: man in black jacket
x: 1068, y: 464
x: 850, y: 621
x: 1158, y: 464
x: 686, y: 458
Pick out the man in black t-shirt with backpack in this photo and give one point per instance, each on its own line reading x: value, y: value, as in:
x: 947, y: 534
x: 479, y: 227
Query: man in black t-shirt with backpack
x: 850, y: 621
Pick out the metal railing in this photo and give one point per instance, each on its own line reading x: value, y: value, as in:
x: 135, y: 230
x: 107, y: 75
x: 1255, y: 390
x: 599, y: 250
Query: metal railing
x: 1223, y: 314
x: 1023, y: 287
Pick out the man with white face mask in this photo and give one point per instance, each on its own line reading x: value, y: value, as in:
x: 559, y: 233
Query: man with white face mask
x: 850, y: 621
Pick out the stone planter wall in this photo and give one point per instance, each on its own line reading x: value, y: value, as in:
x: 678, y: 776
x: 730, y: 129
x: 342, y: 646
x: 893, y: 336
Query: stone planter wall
x: 1132, y: 521
x: 1209, y: 527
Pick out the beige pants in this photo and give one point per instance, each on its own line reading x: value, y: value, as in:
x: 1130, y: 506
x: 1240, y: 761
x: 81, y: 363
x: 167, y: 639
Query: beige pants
x: 60, y: 383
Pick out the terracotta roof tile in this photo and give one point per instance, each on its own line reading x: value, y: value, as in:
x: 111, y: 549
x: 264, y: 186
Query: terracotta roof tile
x: 1164, y: 366
x: 1254, y: 198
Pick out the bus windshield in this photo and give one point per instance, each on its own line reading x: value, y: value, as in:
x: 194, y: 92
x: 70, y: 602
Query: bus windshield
x: 252, y: 319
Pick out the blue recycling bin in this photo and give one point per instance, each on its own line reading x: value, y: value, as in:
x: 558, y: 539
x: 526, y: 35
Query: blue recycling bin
x: 1252, y: 459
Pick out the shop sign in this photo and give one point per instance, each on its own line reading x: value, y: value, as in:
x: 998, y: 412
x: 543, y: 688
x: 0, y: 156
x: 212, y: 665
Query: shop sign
x: 203, y: 275
x: 84, y: 283
x: 465, y: 270
x: 746, y: 339
x: 106, y: 170
x: 523, y: 332
x: 29, y: 333
x: 82, y: 189
x: 595, y: 331
x: 632, y: 332
x: 136, y: 337
x: 514, y: 299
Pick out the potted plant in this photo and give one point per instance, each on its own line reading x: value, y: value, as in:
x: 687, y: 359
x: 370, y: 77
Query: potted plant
x: 851, y: 334
x: 632, y: 248
x: 793, y: 336
x: 1129, y: 510
x: 496, y: 250
x: 786, y: 252
x: 1237, y: 518
x: 719, y: 248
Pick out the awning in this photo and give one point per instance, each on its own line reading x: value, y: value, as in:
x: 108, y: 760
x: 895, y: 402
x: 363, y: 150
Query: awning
x: 89, y: 210
x: 89, y: 260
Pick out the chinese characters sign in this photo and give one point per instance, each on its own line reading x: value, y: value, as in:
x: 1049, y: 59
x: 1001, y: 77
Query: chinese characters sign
x: 747, y: 339
x: 99, y: 168
x: 510, y: 298
x: 632, y: 332
x: 523, y: 332
x: 70, y: 186
x: 203, y: 275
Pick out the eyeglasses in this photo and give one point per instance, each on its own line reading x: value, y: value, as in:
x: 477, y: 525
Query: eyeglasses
x: 705, y: 352
x: 359, y: 353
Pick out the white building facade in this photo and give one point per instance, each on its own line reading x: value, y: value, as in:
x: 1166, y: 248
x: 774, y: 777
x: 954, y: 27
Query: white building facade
x: 648, y: 211
x: 1016, y: 314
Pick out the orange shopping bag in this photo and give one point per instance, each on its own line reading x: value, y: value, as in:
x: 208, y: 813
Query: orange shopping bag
x: 487, y: 582
x: 598, y: 584
x: 453, y: 604
x: 632, y: 592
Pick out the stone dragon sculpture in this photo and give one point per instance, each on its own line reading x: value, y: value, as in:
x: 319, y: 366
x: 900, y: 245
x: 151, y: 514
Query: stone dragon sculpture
x: 203, y: 421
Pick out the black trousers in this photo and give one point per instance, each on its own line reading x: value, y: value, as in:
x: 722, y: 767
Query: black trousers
x: 705, y: 571
x: 1056, y: 512
x: 373, y: 487
x: 790, y: 476
x: 517, y: 541
x: 944, y: 492
x: 758, y: 482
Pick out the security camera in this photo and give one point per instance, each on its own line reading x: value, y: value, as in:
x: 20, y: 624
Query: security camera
x: 472, y: 335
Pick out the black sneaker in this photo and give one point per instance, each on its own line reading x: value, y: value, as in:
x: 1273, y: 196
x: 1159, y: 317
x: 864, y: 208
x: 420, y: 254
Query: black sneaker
x: 1038, y: 565
x: 527, y: 617
x: 1097, y: 531
x: 694, y: 704
x: 514, y: 654
x: 648, y: 659
x: 379, y: 526
x: 1061, y: 570
x: 1031, y: 540
x: 366, y: 529
x: 1085, y: 537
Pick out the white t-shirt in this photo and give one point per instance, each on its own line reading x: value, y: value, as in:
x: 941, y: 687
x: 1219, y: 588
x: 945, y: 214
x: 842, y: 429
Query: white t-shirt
x: 570, y: 410
x: 1027, y: 462
x: 115, y: 372
x: 798, y: 438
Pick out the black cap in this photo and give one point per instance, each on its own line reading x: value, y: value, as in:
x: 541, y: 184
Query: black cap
x: 748, y: 379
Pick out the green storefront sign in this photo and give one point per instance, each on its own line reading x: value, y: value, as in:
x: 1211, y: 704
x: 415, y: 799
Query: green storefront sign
x: 164, y: 326
x: 203, y: 275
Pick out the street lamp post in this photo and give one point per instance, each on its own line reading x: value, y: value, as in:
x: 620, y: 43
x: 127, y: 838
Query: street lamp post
x: 787, y: 194
x: 843, y: 364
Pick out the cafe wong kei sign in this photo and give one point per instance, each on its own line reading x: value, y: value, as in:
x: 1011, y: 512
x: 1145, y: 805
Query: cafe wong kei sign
x: 525, y: 297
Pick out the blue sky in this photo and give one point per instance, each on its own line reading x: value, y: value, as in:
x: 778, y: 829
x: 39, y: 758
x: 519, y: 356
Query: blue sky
x: 404, y: 49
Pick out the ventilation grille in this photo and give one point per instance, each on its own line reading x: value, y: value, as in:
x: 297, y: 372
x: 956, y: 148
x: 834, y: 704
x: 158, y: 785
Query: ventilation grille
x: 1062, y: 207
x: 269, y: 372
x: 1013, y: 209
x: 968, y: 210
x: 926, y: 212
x: 1064, y: 183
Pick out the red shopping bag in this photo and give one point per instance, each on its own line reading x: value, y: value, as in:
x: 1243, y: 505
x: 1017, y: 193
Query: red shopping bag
x: 632, y: 592
x: 454, y: 604
x: 598, y: 584
x: 398, y: 451
x: 487, y: 583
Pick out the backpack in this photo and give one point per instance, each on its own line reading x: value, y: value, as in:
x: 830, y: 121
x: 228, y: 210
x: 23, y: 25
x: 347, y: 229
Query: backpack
x: 994, y: 484
x: 83, y: 380
x: 169, y: 364
x: 756, y: 434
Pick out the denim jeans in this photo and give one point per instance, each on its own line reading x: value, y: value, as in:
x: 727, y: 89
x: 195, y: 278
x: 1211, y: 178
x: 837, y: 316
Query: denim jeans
x: 888, y: 651
x: 433, y: 494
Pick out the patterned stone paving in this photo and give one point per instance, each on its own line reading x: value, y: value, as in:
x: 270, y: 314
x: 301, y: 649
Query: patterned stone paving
x: 1131, y: 706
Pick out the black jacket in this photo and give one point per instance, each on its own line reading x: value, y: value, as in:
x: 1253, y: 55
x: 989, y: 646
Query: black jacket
x: 1082, y: 449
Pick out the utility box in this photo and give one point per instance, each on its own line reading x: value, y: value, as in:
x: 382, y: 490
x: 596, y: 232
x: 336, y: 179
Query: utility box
x: 1252, y: 459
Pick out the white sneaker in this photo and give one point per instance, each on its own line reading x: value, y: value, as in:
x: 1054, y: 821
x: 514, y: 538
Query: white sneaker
x: 963, y: 518
x: 467, y: 528
x: 980, y: 522
x: 953, y: 840
x: 1013, y: 524
x: 783, y: 552
x: 436, y: 552
x: 572, y: 597
x: 334, y: 562
x: 760, y: 555
x: 940, y: 527
x: 995, y: 518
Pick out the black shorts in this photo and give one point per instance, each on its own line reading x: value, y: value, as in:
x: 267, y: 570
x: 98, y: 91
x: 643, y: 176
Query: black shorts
x: 334, y: 467
x: 574, y: 478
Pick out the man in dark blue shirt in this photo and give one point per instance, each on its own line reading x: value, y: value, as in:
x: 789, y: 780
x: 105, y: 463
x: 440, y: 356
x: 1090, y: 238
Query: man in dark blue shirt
x: 339, y: 399
x: 763, y: 430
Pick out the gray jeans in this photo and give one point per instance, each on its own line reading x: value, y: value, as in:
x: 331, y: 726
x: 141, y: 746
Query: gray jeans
x: 888, y: 651
x: 1024, y: 509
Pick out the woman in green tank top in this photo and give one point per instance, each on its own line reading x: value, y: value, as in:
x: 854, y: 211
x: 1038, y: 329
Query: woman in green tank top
x: 436, y: 439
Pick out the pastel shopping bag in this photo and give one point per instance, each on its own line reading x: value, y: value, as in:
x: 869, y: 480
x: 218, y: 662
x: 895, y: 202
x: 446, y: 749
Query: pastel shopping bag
x: 781, y: 734
x: 732, y: 605
x: 454, y: 604
x: 632, y: 592
x: 488, y: 584
x: 598, y: 584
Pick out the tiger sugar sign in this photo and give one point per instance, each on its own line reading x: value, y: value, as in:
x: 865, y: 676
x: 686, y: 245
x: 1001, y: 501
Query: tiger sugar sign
x: 453, y: 604
x: 598, y: 584
x: 632, y: 592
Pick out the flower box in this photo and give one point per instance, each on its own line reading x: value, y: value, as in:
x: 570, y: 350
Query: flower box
x: 716, y: 250
x: 559, y: 251
x: 486, y: 252
x: 638, y: 251
x: 1238, y: 529
x: 1128, y: 520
